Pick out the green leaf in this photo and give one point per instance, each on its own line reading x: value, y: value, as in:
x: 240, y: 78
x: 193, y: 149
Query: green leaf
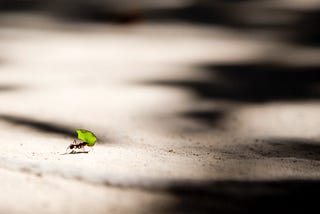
x: 86, y: 136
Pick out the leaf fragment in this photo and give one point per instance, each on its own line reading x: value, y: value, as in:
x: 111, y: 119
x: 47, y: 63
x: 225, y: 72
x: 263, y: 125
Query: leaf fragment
x: 86, y: 136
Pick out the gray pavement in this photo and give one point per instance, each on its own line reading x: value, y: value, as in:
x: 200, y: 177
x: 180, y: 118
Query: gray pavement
x: 163, y: 142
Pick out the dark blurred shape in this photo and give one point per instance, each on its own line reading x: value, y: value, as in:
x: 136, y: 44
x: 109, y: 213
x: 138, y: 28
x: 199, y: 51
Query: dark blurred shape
x: 306, y: 29
x: 20, y: 5
x: 276, y: 196
x: 299, y: 25
x: 252, y: 83
x: 96, y: 11
x: 208, y: 118
x: 200, y: 12
x: 276, y: 148
x: 122, y: 11
x: 238, y: 14
x: 39, y: 125
x: 7, y: 88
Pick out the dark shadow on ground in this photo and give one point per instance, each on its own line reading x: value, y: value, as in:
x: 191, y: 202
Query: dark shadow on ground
x: 18, y: 5
x: 75, y: 152
x: 297, y: 25
x: 305, y: 30
x: 251, y: 196
x: 37, y: 125
x: 277, y: 196
x: 256, y: 83
x: 198, y: 13
x: 7, y: 88
x: 235, y: 14
x: 47, y: 127
x: 79, y: 11
x: 300, y: 26
x: 207, y: 118
x: 275, y: 148
x: 231, y: 14
x: 244, y: 84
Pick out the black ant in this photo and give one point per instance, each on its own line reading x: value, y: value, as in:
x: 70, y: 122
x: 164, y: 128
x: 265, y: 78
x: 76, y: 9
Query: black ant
x: 75, y: 145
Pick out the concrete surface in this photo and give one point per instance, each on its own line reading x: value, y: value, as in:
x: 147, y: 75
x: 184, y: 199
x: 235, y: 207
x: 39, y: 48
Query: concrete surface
x: 160, y: 139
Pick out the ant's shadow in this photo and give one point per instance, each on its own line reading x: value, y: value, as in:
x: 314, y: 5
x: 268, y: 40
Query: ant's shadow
x: 75, y: 152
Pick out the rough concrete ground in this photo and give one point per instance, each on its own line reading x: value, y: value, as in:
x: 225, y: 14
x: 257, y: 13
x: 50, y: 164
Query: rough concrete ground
x: 168, y: 142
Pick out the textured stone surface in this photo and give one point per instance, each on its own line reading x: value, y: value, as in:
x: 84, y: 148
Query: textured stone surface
x: 167, y: 123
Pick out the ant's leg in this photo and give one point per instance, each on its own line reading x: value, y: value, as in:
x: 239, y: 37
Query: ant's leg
x: 73, y: 143
x: 83, y: 149
x: 68, y: 148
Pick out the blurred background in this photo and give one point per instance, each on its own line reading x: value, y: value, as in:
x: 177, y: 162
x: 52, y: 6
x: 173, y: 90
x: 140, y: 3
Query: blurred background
x: 220, y: 54
x: 195, y: 103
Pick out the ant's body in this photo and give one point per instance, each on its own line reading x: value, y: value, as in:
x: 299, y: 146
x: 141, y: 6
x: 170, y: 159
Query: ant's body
x: 87, y: 139
x: 76, y: 145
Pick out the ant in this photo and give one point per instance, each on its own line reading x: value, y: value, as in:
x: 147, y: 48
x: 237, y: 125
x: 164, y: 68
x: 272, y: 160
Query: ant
x: 75, y: 145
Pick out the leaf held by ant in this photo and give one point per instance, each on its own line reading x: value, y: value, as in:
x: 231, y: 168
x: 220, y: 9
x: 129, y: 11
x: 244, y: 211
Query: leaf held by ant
x: 86, y: 136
